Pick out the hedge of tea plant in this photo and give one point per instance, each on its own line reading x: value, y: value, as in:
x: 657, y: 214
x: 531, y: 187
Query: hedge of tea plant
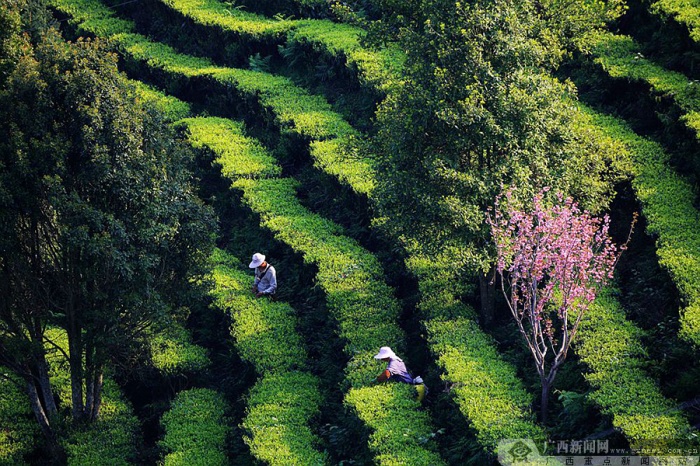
x: 485, y: 387
x: 609, y: 345
x: 685, y: 12
x: 275, y: 99
x: 338, y: 42
x: 195, y: 429
x: 357, y: 297
x: 456, y: 326
x: 173, y: 109
x: 668, y: 205
x: 276, y: 201
x: 621, y: 58
x: 173, y: 353
x: 285, y: 398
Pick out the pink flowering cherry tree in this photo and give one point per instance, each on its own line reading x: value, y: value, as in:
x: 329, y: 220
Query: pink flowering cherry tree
x: 552, y: 261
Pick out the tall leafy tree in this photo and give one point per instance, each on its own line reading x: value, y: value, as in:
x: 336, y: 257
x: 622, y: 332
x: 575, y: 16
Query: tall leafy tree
x: 101, y: 231
x: 479, y: 109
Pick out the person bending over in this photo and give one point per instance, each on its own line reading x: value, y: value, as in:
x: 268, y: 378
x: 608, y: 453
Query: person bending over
x: 396, y: 371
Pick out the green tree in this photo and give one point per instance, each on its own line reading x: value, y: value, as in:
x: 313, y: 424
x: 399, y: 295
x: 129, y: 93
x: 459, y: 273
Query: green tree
x: 101, y: 232
x: 479, y: 110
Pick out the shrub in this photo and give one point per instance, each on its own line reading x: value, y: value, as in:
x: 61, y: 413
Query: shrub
x: 621, y: 58
x: 195, y: 429
x: 173, y: 353
x: 686, y: 12
x: 667, y: 203
x: 284, y: 400
x: 486, y: 388
x: 610, y: 346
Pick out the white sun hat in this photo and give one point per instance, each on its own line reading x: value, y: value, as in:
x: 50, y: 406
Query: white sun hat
x: 257, y: 260
x: 384, y: 352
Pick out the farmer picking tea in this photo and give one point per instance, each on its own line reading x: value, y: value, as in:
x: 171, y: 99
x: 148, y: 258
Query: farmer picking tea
x: 396, y: 371
x: 265, y: 283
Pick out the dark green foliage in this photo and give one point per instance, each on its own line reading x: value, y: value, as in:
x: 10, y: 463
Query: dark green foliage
x: 101, y: 229
x: 478, y: 111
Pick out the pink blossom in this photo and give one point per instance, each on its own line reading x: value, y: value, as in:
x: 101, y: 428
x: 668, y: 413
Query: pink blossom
x: 552, y: 261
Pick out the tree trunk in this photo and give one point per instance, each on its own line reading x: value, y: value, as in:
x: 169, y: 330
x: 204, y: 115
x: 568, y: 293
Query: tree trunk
x: 54, y: 449
x: 76, y: 368
x: 38, y: 361
x: 39, y: 412
x: 89, y: 378
x: 547, y: 383
x: 97, y: 396
x: 487, y: 291
x: 93, y: 377
x: 545, y: 401
x: 45, y: 385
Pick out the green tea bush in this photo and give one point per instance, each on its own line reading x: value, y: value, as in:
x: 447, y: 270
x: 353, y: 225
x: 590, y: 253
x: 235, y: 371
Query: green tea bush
x: 173, y: 353
x: 485, y: 387
x: 296, y: 113
x: 92, y: 17
x: 279, y: 410
x: 339, y: 158
x: 289, y: 8
x: 667, y: 203
x: 621, y: 58
x: 173, y: 109
x: 357, y: 296
x: 249, y: 26
x: 195, y: 429
x: 375, y: 69
x: 283, y: 401
x: 265, y: 331
x: 685, y: 12
x: 337, y: 41
x: 401, y: 431
x: 610, y: 346
x: 238, y: 155
x: 290, y: 108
